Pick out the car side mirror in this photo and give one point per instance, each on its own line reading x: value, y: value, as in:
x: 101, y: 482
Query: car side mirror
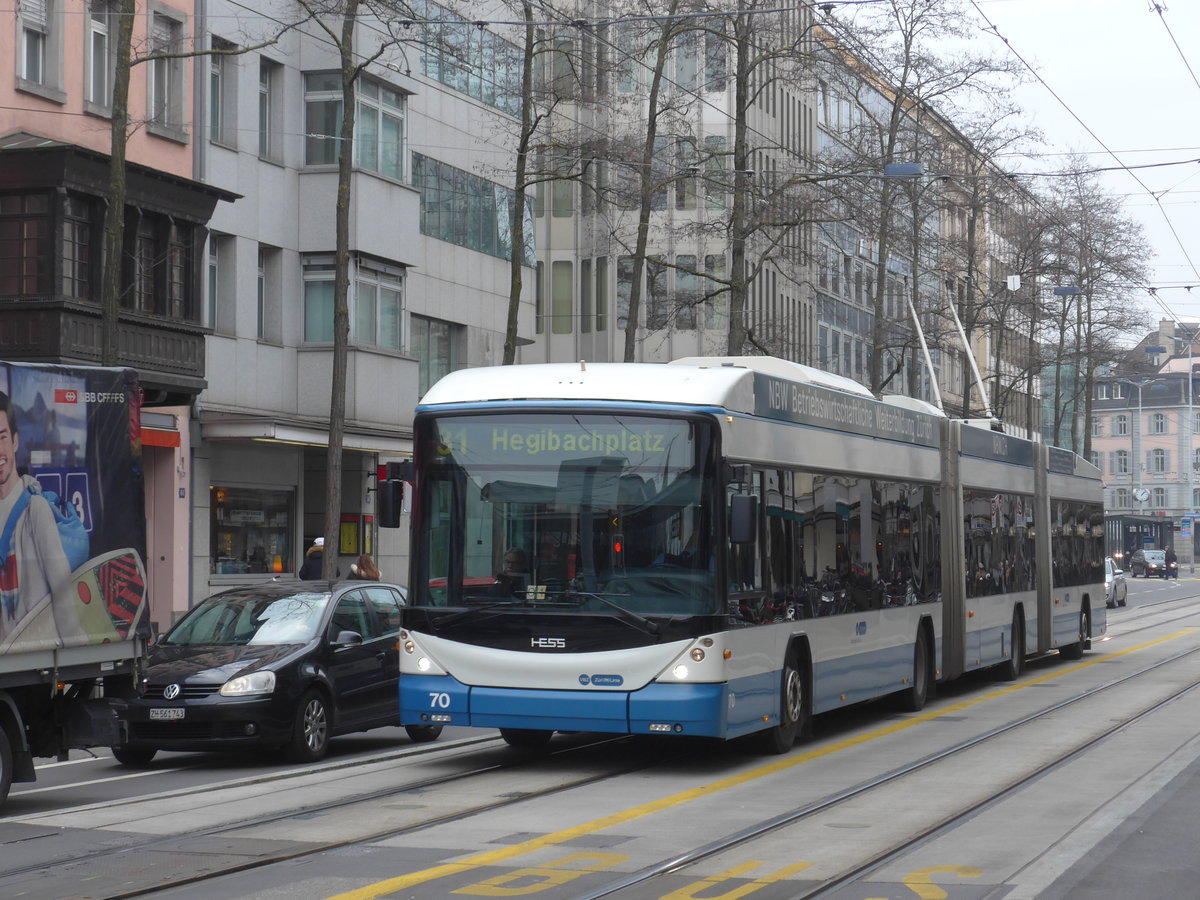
x: 1118, y: 571
x: 346, y: 638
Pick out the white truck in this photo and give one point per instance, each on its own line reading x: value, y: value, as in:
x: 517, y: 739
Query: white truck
x: 73, y: 609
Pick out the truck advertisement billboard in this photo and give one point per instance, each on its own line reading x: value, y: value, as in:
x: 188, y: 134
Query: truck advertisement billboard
x: 72, y: 518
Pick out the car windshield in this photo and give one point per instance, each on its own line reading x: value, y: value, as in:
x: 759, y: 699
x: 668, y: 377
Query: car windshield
x: 242, y: 619
x: 1155, y: 556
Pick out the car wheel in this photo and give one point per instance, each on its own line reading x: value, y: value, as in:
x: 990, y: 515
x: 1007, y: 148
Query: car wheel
x: 1121, y: 602
x: 134, y: 757
x: 423, y: 734
x: 310, y: 730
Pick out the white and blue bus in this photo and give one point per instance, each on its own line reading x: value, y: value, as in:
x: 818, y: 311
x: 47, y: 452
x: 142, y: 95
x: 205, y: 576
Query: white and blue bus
x: 724, y: 547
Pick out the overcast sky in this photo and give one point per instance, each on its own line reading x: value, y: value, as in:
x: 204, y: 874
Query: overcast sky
x: 1116, y: 66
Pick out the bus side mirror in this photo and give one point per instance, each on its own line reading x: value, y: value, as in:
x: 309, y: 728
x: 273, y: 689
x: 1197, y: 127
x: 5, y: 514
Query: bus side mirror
x: 388, y: 502
x: 743, y: 519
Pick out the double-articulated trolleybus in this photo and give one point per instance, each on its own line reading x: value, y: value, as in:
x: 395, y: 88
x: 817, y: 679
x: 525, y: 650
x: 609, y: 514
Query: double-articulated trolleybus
x: 724, y: 547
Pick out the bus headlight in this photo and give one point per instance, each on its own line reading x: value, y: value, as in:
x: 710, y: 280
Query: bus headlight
x: 409, y: 647
x: 680, y: 671
x: 424, y: 664
x: 697, y: 654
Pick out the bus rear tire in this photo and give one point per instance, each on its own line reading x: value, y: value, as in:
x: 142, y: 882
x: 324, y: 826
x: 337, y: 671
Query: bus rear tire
x: 1012, y: 669
x: 524, y: 738
x: 780, y: 738
x: 6, y: 766
x: 1075, y: 651
x: 912, y: 698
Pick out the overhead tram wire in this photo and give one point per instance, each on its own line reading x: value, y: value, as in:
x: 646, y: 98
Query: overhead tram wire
x: 1162, y: 210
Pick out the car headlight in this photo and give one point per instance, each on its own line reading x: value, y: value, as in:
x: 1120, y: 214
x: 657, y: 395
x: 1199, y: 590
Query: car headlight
x: 254, y: 683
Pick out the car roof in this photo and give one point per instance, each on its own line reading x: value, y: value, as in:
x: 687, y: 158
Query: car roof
x: 285, y: 587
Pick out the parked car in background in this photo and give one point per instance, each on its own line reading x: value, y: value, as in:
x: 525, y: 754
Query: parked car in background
x: 284, y: 664
x: 1116, y: 587
x: 1148, y: 563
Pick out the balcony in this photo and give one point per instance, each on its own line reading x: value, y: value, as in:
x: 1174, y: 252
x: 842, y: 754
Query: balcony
x: 168, y: 354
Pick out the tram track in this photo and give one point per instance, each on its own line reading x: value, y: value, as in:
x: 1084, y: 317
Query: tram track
x: 667, y: 866
x: 524, y: 760
x: 877, y: 861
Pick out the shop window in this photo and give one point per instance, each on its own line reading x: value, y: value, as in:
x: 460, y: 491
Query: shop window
x: 251, y: 531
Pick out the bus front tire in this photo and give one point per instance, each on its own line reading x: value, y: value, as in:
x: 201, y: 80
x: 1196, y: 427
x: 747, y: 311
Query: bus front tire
x: 423, y: 734
x: 780, y: 738
x: 525, y: 738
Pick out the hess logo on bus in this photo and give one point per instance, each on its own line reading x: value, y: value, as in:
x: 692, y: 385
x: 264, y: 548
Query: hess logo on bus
x: 548, y: 643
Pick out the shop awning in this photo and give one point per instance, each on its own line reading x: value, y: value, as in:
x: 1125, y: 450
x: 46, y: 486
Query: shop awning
x: 269, y: 431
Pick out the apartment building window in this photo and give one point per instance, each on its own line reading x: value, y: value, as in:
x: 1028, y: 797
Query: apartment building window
x: 165, y: 78
x: 376, y: 305
x: 602, y: 293
x: 714, y: 171
x: 1101, y: 391
x: 378, y: 309
x: 1159, y: 461
x: 100, y: 57
x: 435, y: 344
x: 687, y: 292
x: 469, y: 211
x: 1158, y: 423
x: 176, y: 271
x: 220, y: 312
x: 1118, y: 390
x: 624, y: 289
x: 1097, y: 427
x: 585, y: 296
x: 716, y: 56
x: 261, y: 294
x: 79, y: 224
x: 715, y: 313
x: 1121, y: 497
x: 24, y: 237
x: 1158, y: 498
x: 1195, y: 498
x: 562, y: 297
x: 34, y: 32
x: 658, y: 311
x: 469, y: 59
x: 1196, y: 460
x: 145, y: 253
x: 1094, y: 459
x: 222, y: 92
x: 380, y: 125
x: 1120, y: 425
x: 270, y: 74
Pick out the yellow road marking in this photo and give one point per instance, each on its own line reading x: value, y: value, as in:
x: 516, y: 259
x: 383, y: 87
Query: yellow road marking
x: 491, y: 857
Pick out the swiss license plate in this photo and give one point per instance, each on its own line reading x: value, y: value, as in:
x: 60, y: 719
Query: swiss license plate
x: 167, y: 712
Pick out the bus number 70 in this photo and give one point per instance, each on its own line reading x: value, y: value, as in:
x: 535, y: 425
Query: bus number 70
x: 439, y: 701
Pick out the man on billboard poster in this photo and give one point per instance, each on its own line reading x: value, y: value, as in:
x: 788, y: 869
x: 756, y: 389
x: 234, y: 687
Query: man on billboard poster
x: 35, y: 576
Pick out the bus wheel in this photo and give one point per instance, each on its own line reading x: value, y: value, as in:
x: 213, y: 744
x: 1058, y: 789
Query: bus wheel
x: 6, y: 766
x: 780, y: 738
x: 912, y: 698
x: 524, y: 738
x: 421, y: 734
x: 1011, y: 670
x: 1075, y: 651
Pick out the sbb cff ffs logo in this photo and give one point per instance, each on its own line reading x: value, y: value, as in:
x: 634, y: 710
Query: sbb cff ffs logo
x: 548, y: 643
x: 66, y: 395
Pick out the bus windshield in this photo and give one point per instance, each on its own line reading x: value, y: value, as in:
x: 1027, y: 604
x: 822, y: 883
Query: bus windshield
x: 572, y: 511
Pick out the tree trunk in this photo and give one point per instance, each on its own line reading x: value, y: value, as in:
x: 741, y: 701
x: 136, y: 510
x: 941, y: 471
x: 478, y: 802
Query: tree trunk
x: 341, y: 293
x: 518, y: 218
x: 114, y: 218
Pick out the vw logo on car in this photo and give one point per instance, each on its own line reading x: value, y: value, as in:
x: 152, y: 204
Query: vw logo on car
x: 171, y: 691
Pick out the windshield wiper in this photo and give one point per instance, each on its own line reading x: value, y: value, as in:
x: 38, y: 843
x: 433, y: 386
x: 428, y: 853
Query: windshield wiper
x: 639, y: 622
x: 474, y: 610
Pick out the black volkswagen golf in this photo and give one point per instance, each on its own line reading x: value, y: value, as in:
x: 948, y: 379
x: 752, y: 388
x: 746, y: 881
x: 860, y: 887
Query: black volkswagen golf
x: 284, y: 664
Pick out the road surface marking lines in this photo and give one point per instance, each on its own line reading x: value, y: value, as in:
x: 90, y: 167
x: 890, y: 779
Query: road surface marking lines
x: 492, y: 857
